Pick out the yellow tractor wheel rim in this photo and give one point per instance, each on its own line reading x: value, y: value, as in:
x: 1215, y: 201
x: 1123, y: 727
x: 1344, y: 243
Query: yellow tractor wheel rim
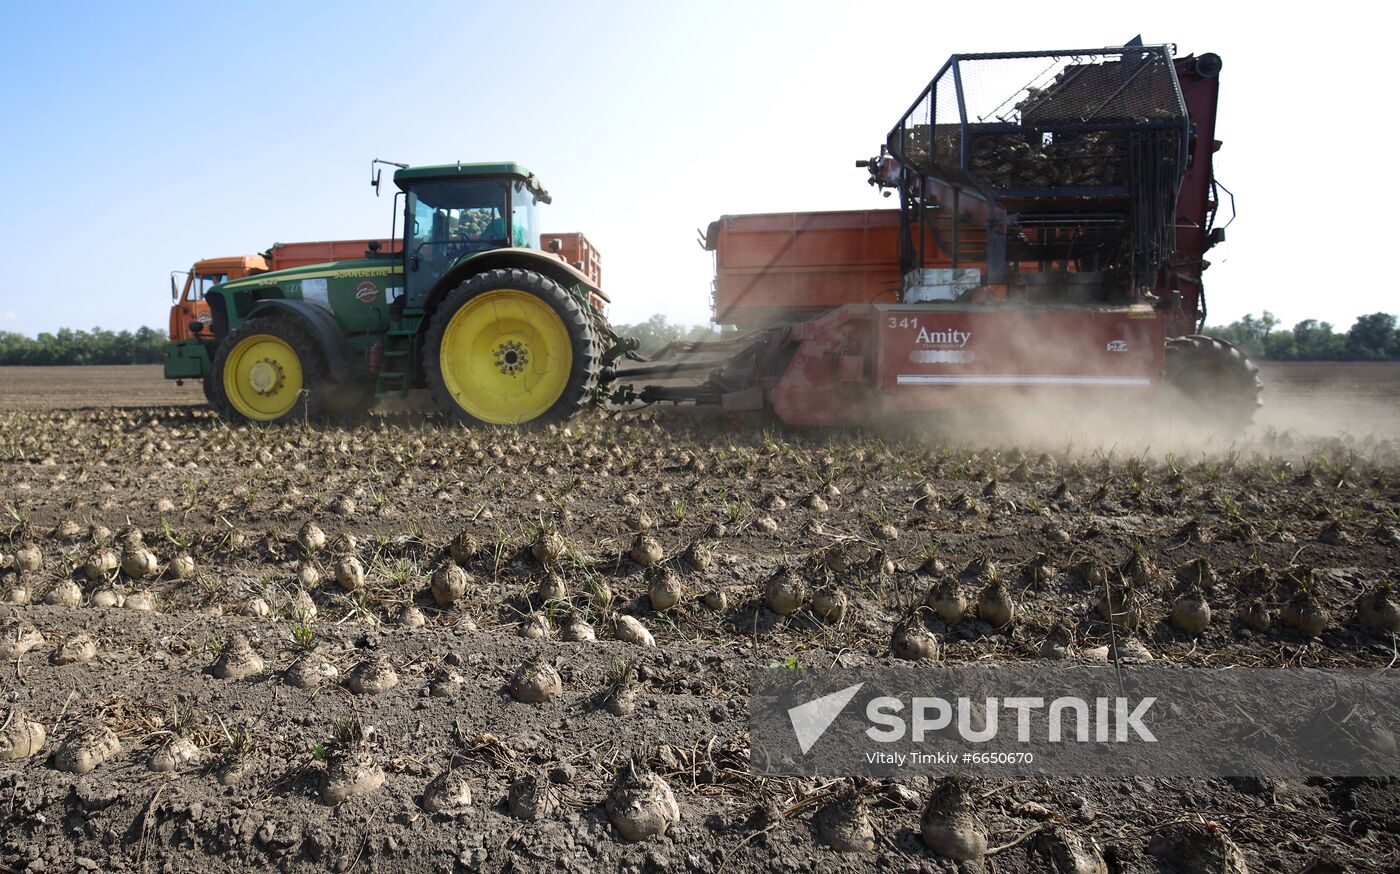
x: 505, y: 357
x: 262, y: 377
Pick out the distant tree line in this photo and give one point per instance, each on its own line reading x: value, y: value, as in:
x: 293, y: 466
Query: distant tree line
x: 67, y: 346
x: 1371, y: 338
x: 143, y: 346
x: 657, y: 331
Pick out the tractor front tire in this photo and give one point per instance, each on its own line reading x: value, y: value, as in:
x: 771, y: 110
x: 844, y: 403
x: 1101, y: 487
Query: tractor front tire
x: 511, y: 347
x: 269, y: 370
x: 1215, y: 386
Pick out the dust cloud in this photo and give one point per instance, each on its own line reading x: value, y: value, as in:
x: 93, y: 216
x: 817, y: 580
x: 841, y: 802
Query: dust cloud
x: 1308, y: 408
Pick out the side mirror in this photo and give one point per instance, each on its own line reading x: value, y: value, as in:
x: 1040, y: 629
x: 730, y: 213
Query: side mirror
x: 374, y: 172
x: 174, y: 295
x: 556, y: 245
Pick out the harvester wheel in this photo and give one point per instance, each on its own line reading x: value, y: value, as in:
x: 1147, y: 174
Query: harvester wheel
x: 511, y: 346
x: 269, y: 370
x: 1217, y: 387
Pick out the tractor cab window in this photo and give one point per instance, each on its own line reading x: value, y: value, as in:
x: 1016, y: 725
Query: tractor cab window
x: 524, y: 216
x: 450, y: 219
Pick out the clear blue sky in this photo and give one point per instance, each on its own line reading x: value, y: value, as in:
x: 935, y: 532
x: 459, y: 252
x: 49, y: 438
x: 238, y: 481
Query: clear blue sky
x: 136, y: 137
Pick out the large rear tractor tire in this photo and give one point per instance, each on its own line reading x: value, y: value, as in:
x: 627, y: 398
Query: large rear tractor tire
x: 1214, y: 385
x: 510, y: 347
x: 269, y: 370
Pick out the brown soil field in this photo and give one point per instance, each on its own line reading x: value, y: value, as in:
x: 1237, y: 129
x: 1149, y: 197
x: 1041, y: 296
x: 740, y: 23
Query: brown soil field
x: 306, y: 648
x: 1331, y: 399
x: 74, y: 388
x: 1312, y: 398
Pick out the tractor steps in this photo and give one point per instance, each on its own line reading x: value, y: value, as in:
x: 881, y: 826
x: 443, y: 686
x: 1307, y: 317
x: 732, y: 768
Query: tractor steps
x: 396, y: 362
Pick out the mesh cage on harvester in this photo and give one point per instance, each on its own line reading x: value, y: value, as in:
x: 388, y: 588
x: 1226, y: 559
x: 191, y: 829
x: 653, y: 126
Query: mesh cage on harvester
x: 1103, y: 123
x: 1044, y: 120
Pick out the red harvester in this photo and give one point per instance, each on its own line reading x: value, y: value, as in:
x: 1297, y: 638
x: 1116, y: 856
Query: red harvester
x: 1054, y: 211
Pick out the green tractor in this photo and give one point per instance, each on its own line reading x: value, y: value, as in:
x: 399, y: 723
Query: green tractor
x: 500, y: 331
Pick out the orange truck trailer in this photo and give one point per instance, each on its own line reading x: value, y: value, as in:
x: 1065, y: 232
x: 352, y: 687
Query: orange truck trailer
x: 790, y: 266
x: 575, y: 249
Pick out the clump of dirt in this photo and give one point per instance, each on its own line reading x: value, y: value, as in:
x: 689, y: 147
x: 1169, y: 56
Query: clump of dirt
x: 532, y: 798
x: 449, y: 792
x: 845, y: 826
x: 77, y: 648
x: 785, y: 592
x: 236, y: 659
x: 951, y: 826
x: 535, y: 682
x: 641, y: 805
x: 20, y: 736
x: 374, y: 675
x: 17, y: 637
x: 631, y: 630
x: 350, y: 771
x: 1197, y: 847
x: 87, y: 747
x: 912, y: 641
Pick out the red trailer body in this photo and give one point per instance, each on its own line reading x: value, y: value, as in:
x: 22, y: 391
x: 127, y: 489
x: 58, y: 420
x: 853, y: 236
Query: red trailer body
x: 788, y: 266
x: 791, y: 266
x: 860, y: 363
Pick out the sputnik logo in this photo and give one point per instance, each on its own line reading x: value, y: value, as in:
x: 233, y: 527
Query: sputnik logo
x: 811, y: 720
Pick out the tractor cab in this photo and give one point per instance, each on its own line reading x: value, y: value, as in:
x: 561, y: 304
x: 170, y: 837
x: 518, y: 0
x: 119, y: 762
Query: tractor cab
x: 455, y: 211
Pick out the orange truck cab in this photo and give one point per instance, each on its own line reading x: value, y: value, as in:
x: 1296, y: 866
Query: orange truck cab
x: 188, y: 306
